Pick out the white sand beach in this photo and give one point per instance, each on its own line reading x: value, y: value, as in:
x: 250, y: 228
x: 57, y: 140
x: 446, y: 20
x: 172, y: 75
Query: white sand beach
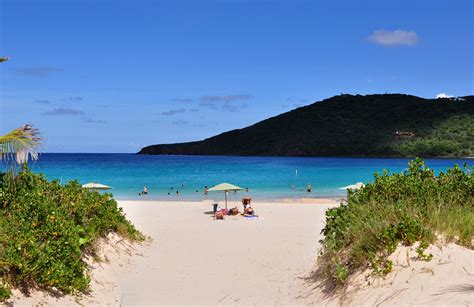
x: 192, y: 259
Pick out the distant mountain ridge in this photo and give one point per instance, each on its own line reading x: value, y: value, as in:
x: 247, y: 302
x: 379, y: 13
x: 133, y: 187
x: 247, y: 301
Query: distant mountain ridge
x: 390, y: 125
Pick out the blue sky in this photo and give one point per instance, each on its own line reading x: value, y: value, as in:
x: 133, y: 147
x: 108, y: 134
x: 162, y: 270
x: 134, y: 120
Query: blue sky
x: 113, y: 76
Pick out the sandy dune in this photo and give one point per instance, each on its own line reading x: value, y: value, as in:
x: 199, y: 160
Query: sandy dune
x: 193, y: 259
x: 446, y: 280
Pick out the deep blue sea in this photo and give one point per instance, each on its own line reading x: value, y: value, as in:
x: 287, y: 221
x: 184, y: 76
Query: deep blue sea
x: 266, y: 177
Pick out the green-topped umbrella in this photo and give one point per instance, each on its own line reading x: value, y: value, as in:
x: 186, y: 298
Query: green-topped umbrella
x: 225, y: 187
x: 95, y: 186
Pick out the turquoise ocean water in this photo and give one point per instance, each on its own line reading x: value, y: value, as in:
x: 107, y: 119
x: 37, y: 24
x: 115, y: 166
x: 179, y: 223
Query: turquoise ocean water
x: 266, y: 177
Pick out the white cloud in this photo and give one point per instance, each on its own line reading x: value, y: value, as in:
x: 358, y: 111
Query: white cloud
x: 394, y: 38
x: 443, y: 95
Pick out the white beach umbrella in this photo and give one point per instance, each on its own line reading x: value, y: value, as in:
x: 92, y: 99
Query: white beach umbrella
x: 355, y: 186
x: 226, y: 187
x: 95, y: 186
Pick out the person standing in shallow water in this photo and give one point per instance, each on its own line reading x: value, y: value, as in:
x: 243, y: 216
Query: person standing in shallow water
x: 308, y: 189
x: 144, y: 191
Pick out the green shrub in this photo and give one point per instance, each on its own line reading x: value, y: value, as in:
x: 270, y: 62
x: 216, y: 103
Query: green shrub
x: 399, y: 208
x: 46, y: 229
x: 4, y: 293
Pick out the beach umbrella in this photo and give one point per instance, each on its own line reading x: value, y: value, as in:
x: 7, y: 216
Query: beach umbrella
x: 355, y: 186
x: 226, y: 187
x: 95, y: 186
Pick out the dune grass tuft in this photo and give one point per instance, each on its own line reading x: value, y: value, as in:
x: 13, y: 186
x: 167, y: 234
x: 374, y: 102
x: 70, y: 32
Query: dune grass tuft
x: 413, y: 206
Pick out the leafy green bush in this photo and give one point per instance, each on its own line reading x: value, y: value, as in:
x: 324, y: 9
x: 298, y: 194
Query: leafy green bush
x: 403, y: 208
x: 46, y: 228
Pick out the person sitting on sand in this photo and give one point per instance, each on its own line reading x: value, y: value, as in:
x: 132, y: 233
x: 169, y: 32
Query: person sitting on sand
x: 246, y: 202
x: 249, y: 212
x: 233, y: 211
x: 219, y: 215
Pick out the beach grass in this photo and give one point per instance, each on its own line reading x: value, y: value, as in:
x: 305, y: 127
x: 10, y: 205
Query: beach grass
x: 47, y: 228
x: 413, y: 207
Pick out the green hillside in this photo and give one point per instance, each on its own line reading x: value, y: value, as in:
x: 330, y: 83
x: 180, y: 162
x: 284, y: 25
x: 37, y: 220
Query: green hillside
x: 348, y: 125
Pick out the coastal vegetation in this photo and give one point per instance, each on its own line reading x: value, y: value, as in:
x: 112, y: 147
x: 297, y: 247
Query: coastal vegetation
x: 413, y: 207
x: 46, y: 228
x: 389, y: 125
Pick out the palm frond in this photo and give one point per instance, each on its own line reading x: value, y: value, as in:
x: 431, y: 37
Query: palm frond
x: 20, y: 144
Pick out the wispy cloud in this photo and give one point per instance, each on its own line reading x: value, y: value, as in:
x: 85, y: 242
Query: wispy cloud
x: 194, y: 110
x: 173, y: 112
x: 388, y: 38
x: 180, y: 122
x: 182, y: 100
x: 93, y: 121
x: 227, y: 103
x: 43, y: 101
x: 225, y: 98
x: 210, y: 105
x: 64, y: 111
x: 225, y: 106
x: 233, y: 108
x: 73, y: 98
x: 39, y: 71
